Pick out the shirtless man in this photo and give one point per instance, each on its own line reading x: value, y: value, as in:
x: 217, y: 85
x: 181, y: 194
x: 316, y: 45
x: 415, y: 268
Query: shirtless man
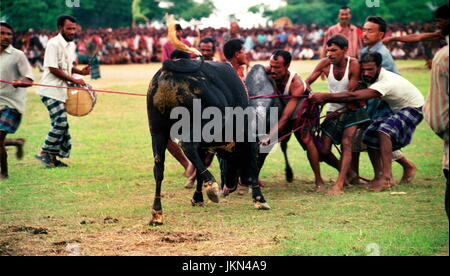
x: 289, y: 83
x: 343, y: 74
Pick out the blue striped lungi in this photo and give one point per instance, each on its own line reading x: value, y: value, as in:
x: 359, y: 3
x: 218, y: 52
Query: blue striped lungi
x: 58, y: 138
x: 9, y: 119
x: 399, y: 125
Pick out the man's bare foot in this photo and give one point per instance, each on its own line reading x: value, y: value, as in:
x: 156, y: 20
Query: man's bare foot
x: 369, y: 183
x: 189, y: 171
x: 189, y: 184
x: 352, y: 179
x: 191, y: 180
x: 336, y: 190
x: 19, y: 153
x: 320, y: 188
x: 347, y: 184
x: 408, y: 174
x: 320, y: 185
x: 379, y: 185
x: 376, y: 179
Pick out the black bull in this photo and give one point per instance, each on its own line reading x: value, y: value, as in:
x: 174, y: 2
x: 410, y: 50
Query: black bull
x: 178, y: 84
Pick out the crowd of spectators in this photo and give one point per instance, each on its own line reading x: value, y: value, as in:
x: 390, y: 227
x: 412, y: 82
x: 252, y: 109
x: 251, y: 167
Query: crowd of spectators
x: 144, y: 44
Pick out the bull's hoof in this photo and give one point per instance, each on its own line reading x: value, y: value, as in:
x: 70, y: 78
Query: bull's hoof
x: 197, y: 204
x: 289, y: 175
x: 262, y: 206
x: 212, y: 191
x: 157, y: 218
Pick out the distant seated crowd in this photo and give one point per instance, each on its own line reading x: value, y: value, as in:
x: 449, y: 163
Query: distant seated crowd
x: 144, y: 44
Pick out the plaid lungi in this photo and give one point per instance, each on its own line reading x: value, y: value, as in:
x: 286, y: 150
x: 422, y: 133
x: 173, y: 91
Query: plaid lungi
x: 399, y: 125
x: 9, y: 119
x: 58, y: 138
x: 377, y: 108
x: 335, y: 127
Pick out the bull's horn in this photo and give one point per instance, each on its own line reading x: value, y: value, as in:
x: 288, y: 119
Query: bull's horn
x: 172, y: 35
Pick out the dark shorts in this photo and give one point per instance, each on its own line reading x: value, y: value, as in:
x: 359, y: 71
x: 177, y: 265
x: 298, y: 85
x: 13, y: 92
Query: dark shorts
x: 400, y: 126
x: 334, y: 127
x: 9, y: 120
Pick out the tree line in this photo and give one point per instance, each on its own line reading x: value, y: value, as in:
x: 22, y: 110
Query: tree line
x: 41, y: 14
x: 325, y: 12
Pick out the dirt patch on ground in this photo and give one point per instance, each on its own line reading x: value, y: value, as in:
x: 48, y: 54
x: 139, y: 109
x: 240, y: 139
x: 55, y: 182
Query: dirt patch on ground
x: 185, y: 237
x: 6, y: 249
x: 111, y: 239
x: 29, y: 229
x: 110, y: 220
x: 64, y: 243
x: 22, y: 240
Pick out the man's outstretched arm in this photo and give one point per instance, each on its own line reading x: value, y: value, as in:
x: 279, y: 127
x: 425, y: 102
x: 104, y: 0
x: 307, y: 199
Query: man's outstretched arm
x: 344, y: 97
x: 413, y: 38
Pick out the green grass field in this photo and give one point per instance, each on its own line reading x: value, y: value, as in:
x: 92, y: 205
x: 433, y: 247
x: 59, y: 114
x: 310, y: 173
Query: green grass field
x: 103, y: 201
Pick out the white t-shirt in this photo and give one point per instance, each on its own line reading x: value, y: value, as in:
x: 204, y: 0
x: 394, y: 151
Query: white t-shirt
x: 397, y: 91
x: 58, y: 54
x: 13, y: 66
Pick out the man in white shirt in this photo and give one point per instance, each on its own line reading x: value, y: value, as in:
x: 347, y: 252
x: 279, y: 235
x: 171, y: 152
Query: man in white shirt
x: 392, y: 131
x: 14, y: 67
x: 58, y: 69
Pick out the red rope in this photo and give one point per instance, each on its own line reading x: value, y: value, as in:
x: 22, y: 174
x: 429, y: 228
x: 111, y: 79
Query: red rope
x: 140, y: 94
x: 81, y: 88
x: 302, y: 122
x: 277, y: 96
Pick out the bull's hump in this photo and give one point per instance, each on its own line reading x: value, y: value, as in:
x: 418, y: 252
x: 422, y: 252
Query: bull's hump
x: 182, y: 65
x: 172, y: 93
x: 258, y: 83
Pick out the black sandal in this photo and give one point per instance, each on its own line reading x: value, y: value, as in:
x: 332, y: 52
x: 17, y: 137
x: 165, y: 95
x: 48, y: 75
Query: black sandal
x: 46, y: 160
x: 60, y: 164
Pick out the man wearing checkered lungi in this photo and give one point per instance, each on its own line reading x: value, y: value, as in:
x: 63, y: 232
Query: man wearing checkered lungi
x: 392, y: 131
x: 58, y: 69
x: 14, y: 67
